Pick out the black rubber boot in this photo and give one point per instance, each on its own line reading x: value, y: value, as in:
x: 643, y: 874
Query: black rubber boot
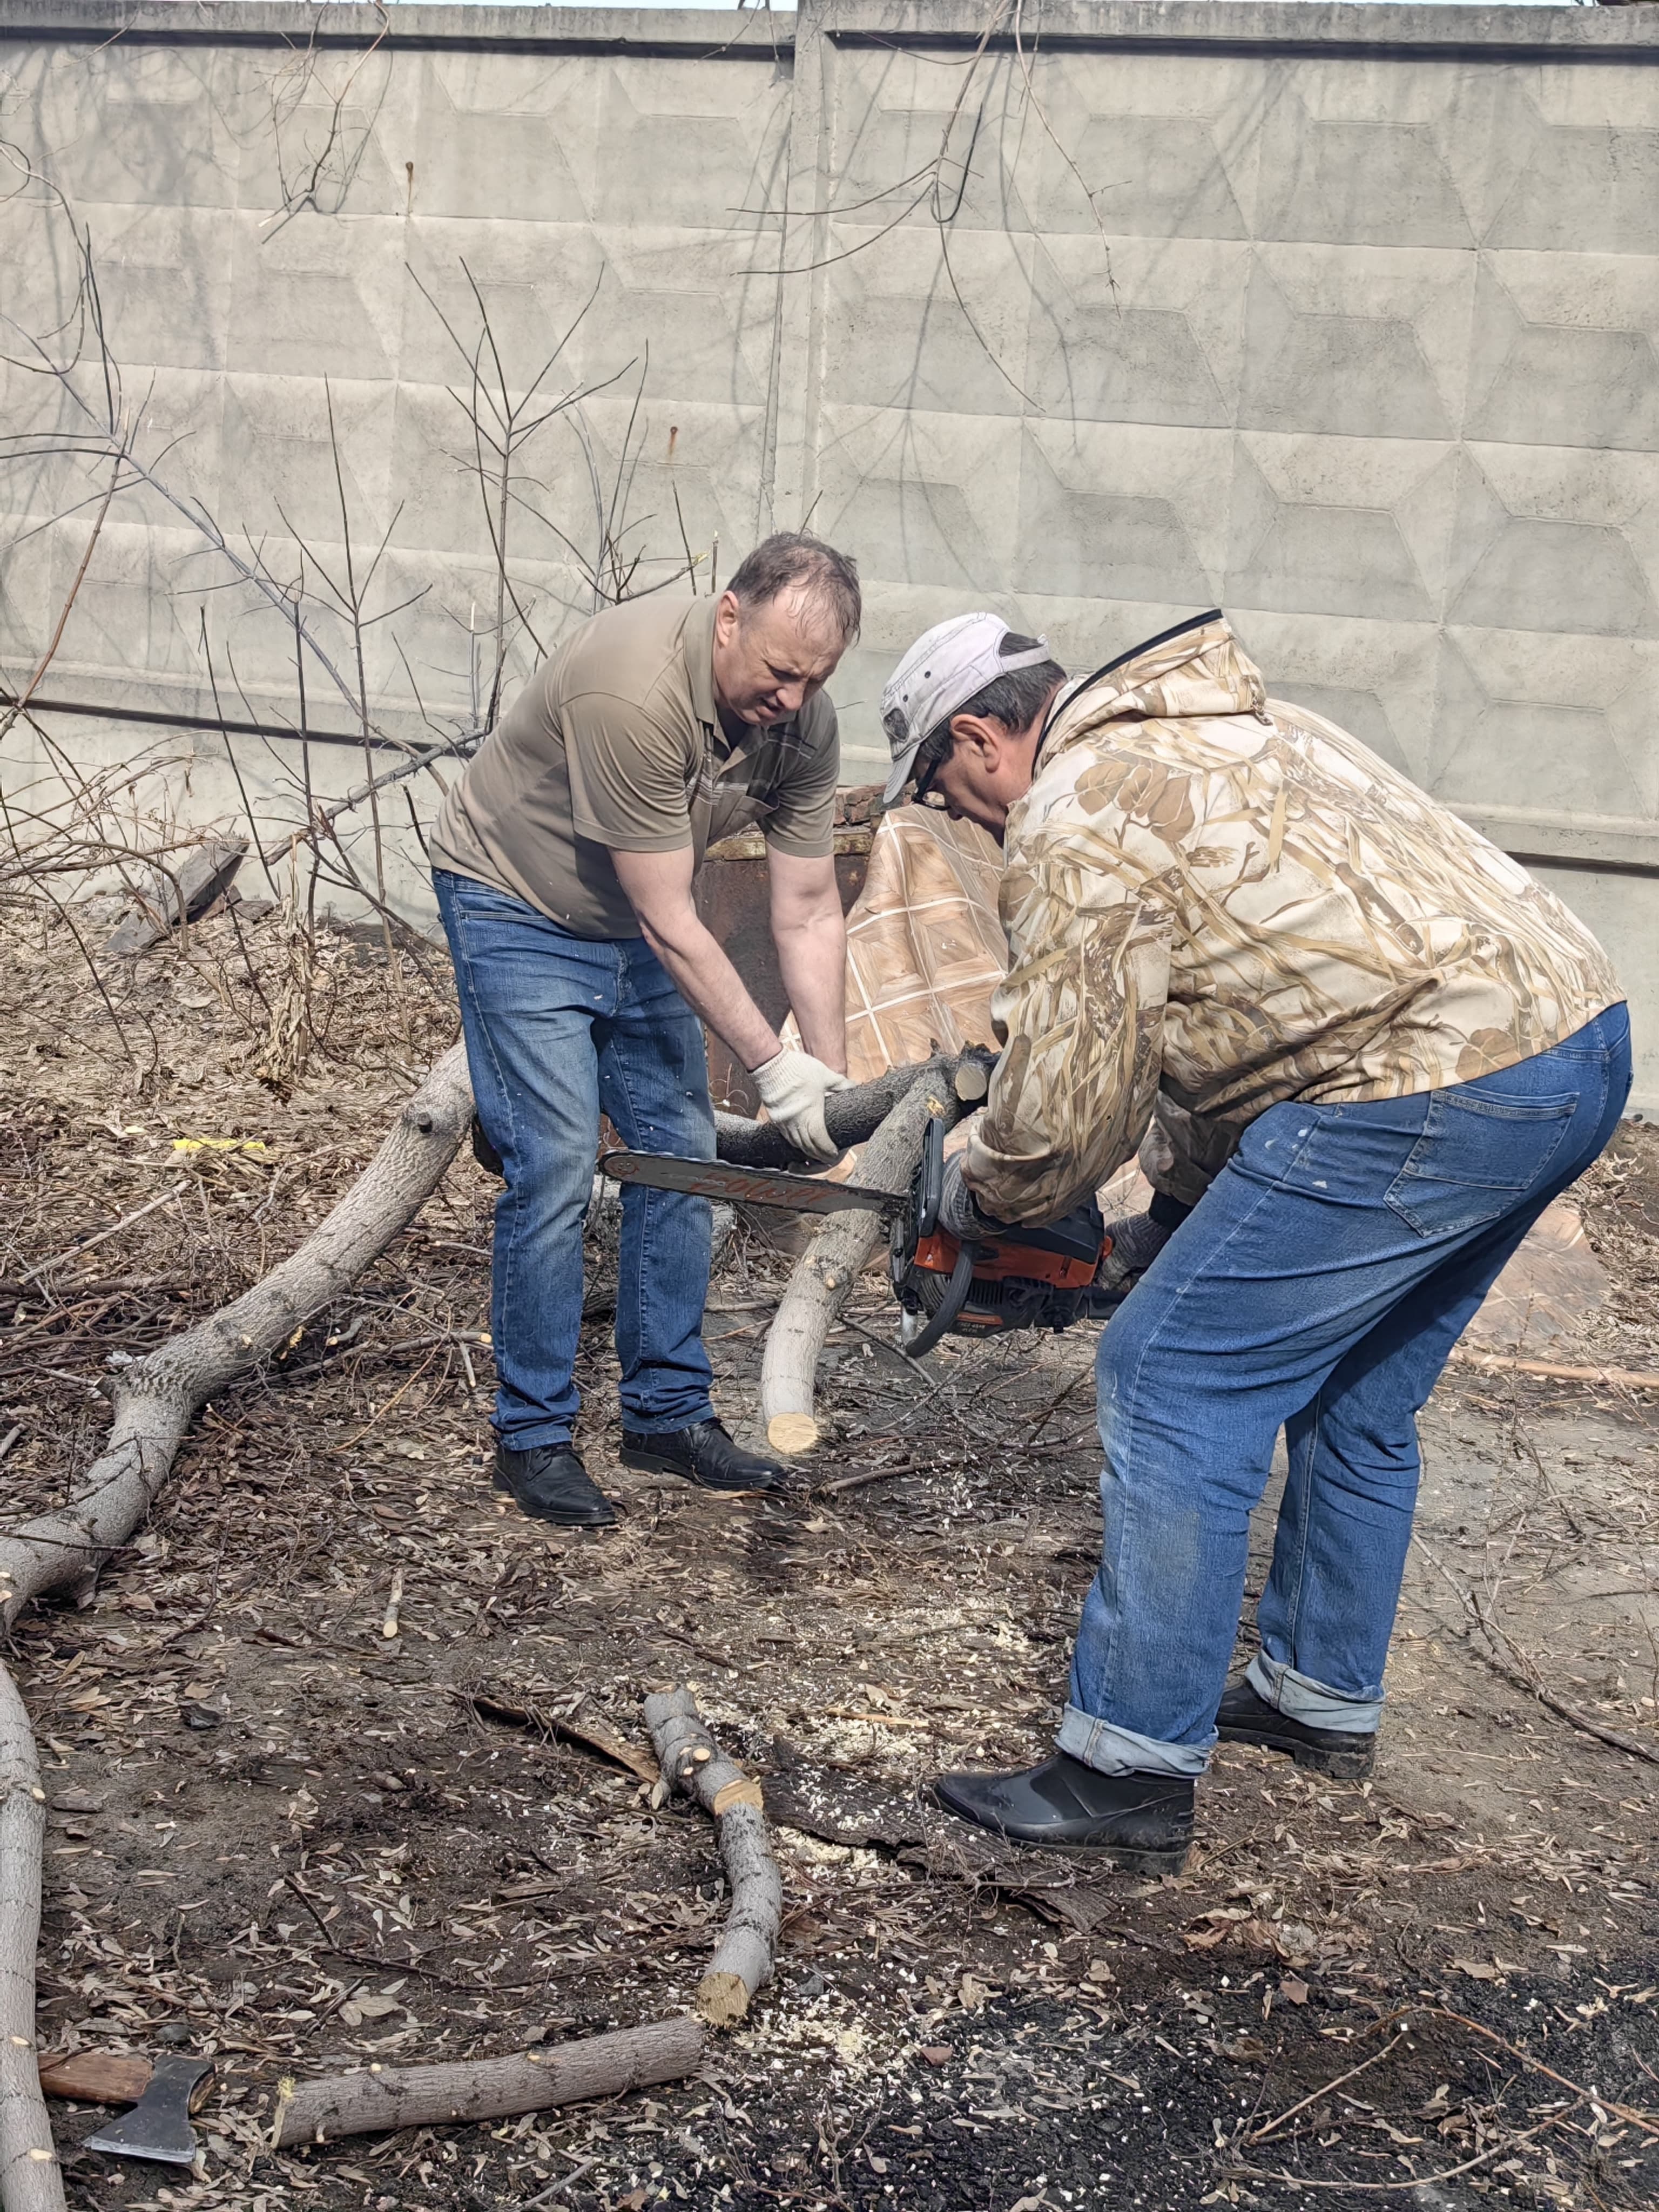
x: 549, y: 1482
x: 1142, y: 1822
x: 704, y: 1454
x: 1243, y: 1718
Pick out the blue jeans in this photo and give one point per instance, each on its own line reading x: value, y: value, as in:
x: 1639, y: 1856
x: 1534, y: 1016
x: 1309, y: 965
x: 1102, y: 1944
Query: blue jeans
x: 559, y: 1028
x: 1319, y: 1287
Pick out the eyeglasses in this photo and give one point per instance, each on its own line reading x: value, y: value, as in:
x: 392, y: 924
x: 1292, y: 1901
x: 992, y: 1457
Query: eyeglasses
x: 927, y: 767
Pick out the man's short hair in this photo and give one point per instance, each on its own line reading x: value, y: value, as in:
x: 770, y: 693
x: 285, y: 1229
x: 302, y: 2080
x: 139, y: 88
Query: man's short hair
x: 1014, y: 700
x: 794, y: 561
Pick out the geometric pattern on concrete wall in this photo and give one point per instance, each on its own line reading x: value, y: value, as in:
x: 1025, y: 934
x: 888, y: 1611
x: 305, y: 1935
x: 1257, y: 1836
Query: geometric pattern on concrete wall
x: 1363, y: 345
x: 623, y: 195
x: 1366, y: 349
x: 1376, y: 368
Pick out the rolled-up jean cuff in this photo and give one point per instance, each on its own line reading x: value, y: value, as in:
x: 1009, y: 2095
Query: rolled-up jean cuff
x: 1112, y: 1750
x: 1299, y: 1698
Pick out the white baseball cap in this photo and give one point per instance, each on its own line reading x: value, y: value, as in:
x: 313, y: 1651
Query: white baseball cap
x: 945, y: 667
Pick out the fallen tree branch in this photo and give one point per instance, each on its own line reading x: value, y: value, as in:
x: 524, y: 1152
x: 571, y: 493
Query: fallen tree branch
x: 1506, y: 1363
x: 157, y: 1397
x: 1519, y: 1674
x: 31, y: 2180
x: 387, y: 2097
x: 693, y: 1762
x: 827, y: 1270
x: 851, y: 1117
x: 384, y: 2097
x: 1644, y: 2121
x: 1271, y: 2127
x: 588, y: 1730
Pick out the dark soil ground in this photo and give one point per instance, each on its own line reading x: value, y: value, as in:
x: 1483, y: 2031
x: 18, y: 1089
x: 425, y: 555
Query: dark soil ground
x: 282, y: 1837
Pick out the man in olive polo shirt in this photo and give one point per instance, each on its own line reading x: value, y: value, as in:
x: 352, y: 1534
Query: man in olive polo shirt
x: 564, y: 862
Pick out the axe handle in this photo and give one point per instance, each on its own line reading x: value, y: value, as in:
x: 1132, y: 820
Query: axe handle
x: 96, y: 2077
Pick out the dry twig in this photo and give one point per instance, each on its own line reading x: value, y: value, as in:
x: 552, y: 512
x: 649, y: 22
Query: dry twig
x: 1518, y: 1670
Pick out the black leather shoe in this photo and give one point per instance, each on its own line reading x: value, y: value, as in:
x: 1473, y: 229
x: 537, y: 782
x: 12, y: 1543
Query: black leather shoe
x: 704, y: 1454
x: 1142, y: 1822
x: 549, y: 1482
x: 1243, y: 1718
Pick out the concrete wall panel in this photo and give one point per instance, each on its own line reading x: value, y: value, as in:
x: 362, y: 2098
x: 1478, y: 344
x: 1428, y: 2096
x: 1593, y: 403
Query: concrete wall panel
x: 1127, y: 513
x: 902, y: 477
x: 1563, y: 725
x: 315, y: 299
x: 1347, y: 317
x: 147, y: 126
x: 498, y: 141
x: 1129, y: 330
x: 538, y: 283
x: 1584, y: 190
x: 904, y: 329
x: 1553, y: 364
x: 1357, y: 341
x: 1374, y: 177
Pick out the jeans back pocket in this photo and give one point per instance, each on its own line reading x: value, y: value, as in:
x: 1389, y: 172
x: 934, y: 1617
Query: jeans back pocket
x: 1479, y: 1157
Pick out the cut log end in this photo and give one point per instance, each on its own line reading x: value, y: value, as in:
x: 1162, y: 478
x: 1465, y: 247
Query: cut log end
x: 722, y: 1999
x: 794, y: 1433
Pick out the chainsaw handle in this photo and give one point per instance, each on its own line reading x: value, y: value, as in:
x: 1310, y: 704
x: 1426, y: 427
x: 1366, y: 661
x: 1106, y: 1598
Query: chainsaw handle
x: 939, y: 1322
x: 930, y: 1178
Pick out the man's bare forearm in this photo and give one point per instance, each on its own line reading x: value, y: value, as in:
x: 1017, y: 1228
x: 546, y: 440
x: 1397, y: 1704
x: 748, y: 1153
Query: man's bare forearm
x: 713, y: 990
x: 659, y: 889
x: 810, y: 936
x: 812, y: 957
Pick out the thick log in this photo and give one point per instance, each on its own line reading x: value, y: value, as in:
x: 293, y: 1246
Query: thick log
x: 693, y: 1763
x: 157, y: 1397
x: 831, y: 1265
x: 384, y: 2097
x: 852, y: 1117
x: 30, y: 2178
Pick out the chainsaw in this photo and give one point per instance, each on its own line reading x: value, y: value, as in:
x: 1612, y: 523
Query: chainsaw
x: 1018, y: 1277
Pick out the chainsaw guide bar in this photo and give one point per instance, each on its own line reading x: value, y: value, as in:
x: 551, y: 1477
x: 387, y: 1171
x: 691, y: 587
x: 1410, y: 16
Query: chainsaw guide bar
x: 801, y: 1194
x: 1007, y: 1277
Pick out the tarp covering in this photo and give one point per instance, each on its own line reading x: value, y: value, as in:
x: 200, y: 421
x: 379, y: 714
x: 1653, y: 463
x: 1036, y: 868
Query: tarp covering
x: 923, y: 947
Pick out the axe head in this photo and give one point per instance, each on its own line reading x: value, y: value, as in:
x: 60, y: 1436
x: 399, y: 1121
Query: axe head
x: 158, y: 2126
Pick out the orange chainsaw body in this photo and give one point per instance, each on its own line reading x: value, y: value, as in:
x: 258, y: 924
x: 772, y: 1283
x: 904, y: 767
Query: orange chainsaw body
x: 1061, y: 1271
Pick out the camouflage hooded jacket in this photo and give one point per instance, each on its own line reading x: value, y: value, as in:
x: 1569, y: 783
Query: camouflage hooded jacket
x: 1214, y: 901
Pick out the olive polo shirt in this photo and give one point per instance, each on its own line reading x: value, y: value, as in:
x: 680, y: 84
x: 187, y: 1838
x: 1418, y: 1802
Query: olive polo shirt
x: 616, y: 745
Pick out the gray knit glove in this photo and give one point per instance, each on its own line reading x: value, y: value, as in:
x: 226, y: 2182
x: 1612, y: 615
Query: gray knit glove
x: 1137, y: 1240
x: 959, y: 1215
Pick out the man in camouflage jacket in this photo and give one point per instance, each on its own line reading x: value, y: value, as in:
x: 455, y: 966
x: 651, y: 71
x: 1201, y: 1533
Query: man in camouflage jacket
x: 1358, y: 1051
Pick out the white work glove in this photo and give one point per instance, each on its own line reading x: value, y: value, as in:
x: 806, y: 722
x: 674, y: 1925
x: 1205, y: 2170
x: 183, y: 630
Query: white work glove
x: 794, y: 1086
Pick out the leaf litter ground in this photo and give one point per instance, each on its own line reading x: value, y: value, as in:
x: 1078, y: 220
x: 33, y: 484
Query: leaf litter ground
x: 283, y: 1837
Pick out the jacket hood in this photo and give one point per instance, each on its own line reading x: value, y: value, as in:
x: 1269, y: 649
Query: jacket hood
x: 1197, y: 670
